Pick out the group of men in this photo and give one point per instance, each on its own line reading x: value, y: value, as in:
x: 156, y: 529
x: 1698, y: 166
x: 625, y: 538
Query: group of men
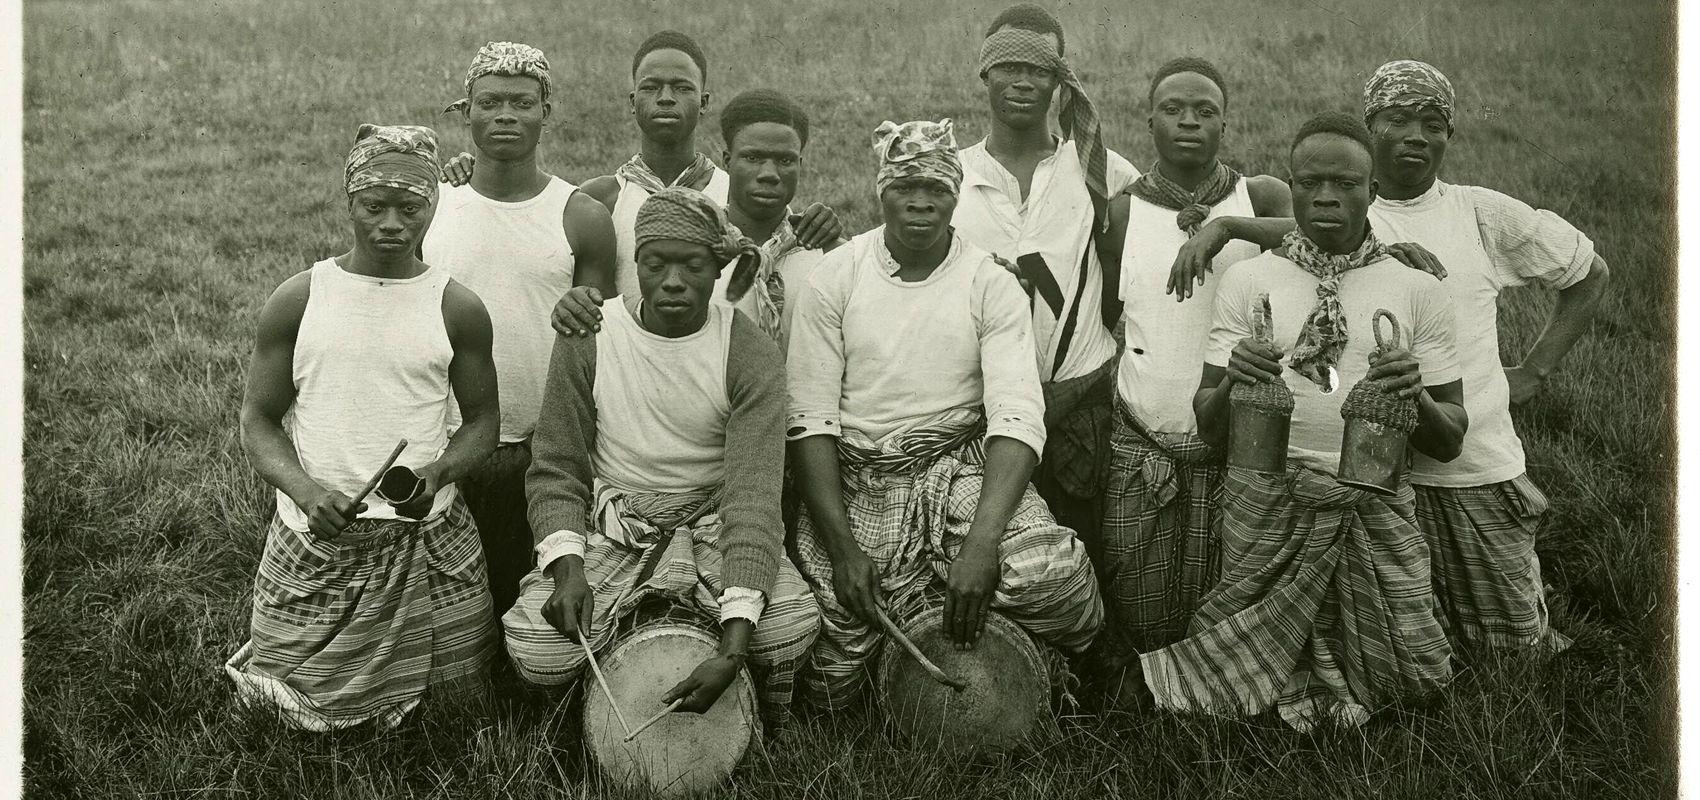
x: 665, y: 388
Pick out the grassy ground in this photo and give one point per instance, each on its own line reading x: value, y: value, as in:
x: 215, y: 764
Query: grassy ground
x: 183, y: 158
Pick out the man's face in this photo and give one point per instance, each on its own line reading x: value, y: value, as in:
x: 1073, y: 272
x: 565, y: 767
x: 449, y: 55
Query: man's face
x: 1020, y: 94
x: 1332, y: 190
x: 917, y: 211
x: 1410, y: 142
x: 667, y: 96
x: 676, y: 279
x: 1186, y: 119
x: 388, y: 220
x: 763, y: 161
x: 506, y: 114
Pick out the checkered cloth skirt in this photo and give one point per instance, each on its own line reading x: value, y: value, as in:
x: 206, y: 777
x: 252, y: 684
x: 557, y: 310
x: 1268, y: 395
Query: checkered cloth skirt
x: 1160, y: 551
x: 1486, y: 573
x: 1325, y: 609
x: 668, y: 549
x: 911, y: 523
x: 355, y: 630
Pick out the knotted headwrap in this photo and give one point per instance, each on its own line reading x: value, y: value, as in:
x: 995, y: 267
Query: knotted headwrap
x: 687, y: 215
x: 765, y: 278
x: 696, y: 176
x: 402, y: 156
x: 1323, y: 337
x: 1154, y: 188
x: 505, y: 58
x: 1076, y: 114
x: 1408, y: 83
x: 919, y: 149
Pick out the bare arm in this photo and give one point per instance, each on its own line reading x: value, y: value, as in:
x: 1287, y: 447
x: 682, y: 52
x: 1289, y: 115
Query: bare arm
x: 604, y: 190
x: 472, y: 374
x: 270, y: 392
x: 1576, y: 306
x: 1441, y: 421
x: 590, y: 231
x: 1110, y: 244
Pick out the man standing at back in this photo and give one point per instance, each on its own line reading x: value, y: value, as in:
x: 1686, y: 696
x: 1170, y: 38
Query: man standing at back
x: 520, y: 238
x: 1037, y: 200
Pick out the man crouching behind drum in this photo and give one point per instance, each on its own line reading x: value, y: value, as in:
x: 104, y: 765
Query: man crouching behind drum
x: 656, y: 473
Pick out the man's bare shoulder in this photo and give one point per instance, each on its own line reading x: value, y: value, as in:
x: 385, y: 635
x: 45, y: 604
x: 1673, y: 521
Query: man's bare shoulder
x: 604, y: 189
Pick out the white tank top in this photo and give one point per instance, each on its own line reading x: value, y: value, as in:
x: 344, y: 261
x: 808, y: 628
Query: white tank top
x: 625, y: 211
x: 661, y: 404
x: 371, y: 367
x: 516, y: 258
x: 1164, y: 357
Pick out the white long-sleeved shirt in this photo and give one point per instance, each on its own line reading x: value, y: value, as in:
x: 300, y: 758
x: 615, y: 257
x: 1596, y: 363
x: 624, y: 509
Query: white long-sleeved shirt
x: 878, y: 355
x: 1054, y: 221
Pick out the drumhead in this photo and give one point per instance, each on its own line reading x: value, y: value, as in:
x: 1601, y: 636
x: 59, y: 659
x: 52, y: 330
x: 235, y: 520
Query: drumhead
x: 1007, y: 699
x: 682, y: 753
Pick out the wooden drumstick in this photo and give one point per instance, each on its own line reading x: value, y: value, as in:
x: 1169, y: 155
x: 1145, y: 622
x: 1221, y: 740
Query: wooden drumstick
x: 931, y: 668
x: 603, y: 682
x: 671, y: 707
x: 389, y: 462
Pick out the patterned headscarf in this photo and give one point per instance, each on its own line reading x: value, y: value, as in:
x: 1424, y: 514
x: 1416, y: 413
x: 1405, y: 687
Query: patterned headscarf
x: 687, y: 215
x: 1323, y: 337
x: 1194, y: 206
x: 917, y: 149
x: 1079, y: 118
x: 505, y: 58
x: 1409, y: 83
x: 402, y: 156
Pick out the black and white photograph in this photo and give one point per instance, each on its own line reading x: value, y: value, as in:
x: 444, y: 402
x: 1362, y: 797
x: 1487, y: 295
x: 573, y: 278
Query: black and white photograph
x: 820, y: 399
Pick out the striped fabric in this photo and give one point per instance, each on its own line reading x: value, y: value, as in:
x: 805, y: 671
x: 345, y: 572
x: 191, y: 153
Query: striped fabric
x: 1160, y: 551
x: 356, y: 630
x: 1486, y: 573
x: 911, y: 524
x: 677, y: 558
x: 495, y: 494
x: 1325, y: 609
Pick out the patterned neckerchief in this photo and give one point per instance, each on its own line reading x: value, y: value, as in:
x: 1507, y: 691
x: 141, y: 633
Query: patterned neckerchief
x: 696, y: 176
x: 1194, y: 206
x: 1323, y: 337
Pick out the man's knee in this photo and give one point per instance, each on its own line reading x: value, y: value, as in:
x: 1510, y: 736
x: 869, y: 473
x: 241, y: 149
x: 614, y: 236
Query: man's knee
x: 788, y: 628
x: 539, y: 653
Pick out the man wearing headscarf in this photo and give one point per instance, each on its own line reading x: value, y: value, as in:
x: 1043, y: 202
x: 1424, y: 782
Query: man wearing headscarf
x: 656, y: 473
x: 361, y: 603
x: 520, y: 238
x: 1480, y: 511
x: 1324, y: 611
x: 916, y: 419
x: 1160, y: 552
x: 1036, y: 201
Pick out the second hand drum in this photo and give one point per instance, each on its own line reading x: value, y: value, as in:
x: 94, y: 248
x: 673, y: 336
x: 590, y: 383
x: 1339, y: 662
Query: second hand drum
x: 1005, y: 693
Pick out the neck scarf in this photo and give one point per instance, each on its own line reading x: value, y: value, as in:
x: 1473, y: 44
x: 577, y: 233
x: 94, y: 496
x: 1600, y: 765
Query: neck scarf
x: 400, y: 156
x: 696, y: 176
x: 1077, y: 115
x: 1408, y: 83
x: 919, y: 149
x: 764, y: 273
x: 505, y: 58
x: 1194, y: 206
x: 1323, y: 337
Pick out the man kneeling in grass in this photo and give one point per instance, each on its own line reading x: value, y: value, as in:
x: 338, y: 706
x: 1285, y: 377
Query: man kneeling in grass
x: 360, y: 606
x: 916, y: 419
x: 656, y: 473
x: 1325, y: 609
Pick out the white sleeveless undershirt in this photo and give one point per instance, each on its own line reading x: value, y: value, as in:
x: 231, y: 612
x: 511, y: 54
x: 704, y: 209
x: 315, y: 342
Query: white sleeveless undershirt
x: 625, y: 211
x: 659, y: 395
x: 1164, y: 357
x: 516, y: 258
x: 371, y: 367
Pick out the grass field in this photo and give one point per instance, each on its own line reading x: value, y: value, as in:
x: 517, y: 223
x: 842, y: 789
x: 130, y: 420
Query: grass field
x: 183, y: 158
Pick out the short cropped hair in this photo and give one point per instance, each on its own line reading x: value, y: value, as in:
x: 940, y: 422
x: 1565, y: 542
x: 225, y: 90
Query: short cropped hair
x: 1338, y: 123
x: 671, y: 40
x: 762, y: 105
x: 1197, y: 66
x: 1028, y: 17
